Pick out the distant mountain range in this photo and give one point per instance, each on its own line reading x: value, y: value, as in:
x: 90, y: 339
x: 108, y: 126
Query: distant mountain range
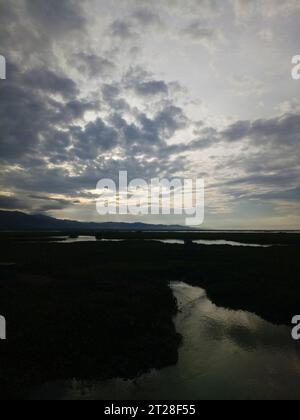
x: 17, y: 221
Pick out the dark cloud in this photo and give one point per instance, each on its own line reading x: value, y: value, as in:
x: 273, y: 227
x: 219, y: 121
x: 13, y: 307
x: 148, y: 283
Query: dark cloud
x: 112, y: 98
x: 23, y: 116
x: 154, y: 131
x: 32, y: 122
x: 237, y: 131
x: 95, y: 138
x: 281, y: 131
x: 149, y: 132
x: 44, y: 204
x: 11, y: 203
x: 76, y: 108
x: 51, y: 207
x: 151, y: 88
x: 34, y: 203
x: 37, y: 129
x: 48, y: 81
x: 170, y: 120
x: 33, y: 31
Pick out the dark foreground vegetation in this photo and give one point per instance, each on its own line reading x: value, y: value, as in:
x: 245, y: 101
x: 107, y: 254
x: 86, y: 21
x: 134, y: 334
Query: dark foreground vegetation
x: 259, y: 237
x: 104, y: 309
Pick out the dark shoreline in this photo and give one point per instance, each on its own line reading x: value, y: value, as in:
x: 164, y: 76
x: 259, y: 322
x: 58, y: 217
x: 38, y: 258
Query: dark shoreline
x: 101, y: 309
x: 257, y: 237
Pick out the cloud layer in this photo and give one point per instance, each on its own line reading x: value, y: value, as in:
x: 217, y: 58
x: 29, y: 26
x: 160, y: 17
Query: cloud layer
x: 188, y: 90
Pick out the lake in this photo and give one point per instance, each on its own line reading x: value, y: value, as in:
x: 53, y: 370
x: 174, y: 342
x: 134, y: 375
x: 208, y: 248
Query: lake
x: 165, y: 241
x: 225, y: 354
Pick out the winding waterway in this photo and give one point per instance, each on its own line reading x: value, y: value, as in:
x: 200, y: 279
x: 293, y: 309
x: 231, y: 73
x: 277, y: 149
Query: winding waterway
x: 225, y: 355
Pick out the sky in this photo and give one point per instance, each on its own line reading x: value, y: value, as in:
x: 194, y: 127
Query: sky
x: 157, y: 88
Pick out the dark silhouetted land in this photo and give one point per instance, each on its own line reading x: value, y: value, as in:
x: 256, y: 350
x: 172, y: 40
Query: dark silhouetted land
x: 104, y: 309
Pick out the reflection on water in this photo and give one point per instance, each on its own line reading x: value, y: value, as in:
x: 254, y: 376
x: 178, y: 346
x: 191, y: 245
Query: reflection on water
x: 88, y: 239
x: 225, y: 355
x: 231, y: 243
x: 165, y: 241
x: 215, y: 242
x: 79, y: 239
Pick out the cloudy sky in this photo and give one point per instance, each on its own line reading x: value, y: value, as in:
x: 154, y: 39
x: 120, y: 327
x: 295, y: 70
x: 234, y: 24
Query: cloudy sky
x: 160, y: 88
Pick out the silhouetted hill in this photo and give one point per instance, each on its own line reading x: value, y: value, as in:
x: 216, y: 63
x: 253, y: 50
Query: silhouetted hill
x: 17, y: 221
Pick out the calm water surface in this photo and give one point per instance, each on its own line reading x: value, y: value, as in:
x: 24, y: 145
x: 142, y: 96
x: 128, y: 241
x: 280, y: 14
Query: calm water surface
x: 165, y: 241
x: 225, y: 355
x: 214, y: 242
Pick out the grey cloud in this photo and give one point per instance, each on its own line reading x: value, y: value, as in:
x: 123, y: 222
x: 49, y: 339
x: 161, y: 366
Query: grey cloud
x: 48, y: 147
x: 43, y: 180
x: 11, y: 203
x: 95, y: 138
x: 147, y: 17
x: 22, y: 117
x: 139, y: 20
x: 279, y: 179
x: 51, y: 207
x: 56, y: 15
x: 130, y: 132
x: 111, y: 97
x: 151, y: 88
x: 40, y: 204
x: 164, y: 125
x: 76, y: 108
x: 206, y: 7
x: 34, y: 30
x: 199, y: 31
x: 93, y: 65
x: 143, y: 84
x: 39, y: 179
x: 282, y: 131
x: 202, y: 143
x: 147, y: 131
x: 44, y: 204
x: 48, y: 81
x: 15, y: 35
x: 136, y: 75
x: 237, y: 131
x: 123, y: 29
x: 170, y: 120
x: 31, y: 122
x: 284, y: 195
x: 245, y: 9
x: 45, y: 128
x: 110, y: 91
